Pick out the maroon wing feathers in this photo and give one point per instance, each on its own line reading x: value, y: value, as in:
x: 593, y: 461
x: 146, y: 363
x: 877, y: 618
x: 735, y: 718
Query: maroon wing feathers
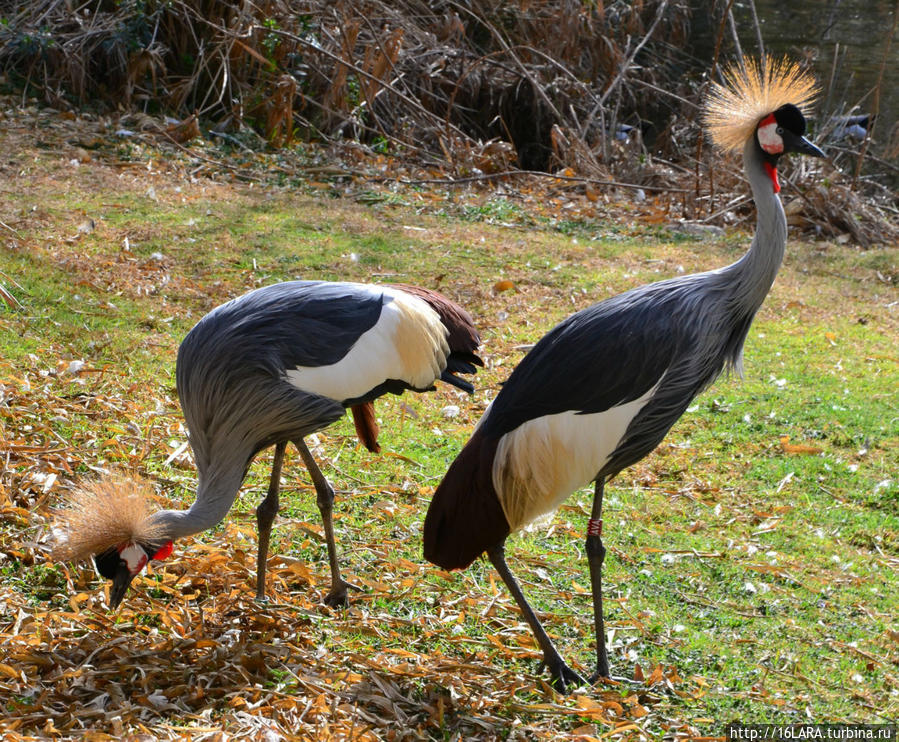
x: 463, y: 338
x: 465, y: 517
x: 367, y: 428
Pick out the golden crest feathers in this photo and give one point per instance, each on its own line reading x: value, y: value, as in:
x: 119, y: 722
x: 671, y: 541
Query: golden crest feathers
x: 100, y: 514
x: 733, y: 110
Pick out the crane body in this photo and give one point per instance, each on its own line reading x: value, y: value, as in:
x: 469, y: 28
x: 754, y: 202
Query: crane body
x: 272, y: 367
x: 601, y: 390
x: 855, y: 126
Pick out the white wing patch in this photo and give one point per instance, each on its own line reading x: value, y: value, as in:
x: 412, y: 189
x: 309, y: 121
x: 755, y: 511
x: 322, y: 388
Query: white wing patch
x: 543, y: 461
x: 407, y: 343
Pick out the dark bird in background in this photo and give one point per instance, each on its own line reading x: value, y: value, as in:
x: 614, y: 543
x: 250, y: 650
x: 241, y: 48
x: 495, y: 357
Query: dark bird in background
x: 269, y: 367
x: 601, y: 390
x: 623, y: 133
x: 851, y: 127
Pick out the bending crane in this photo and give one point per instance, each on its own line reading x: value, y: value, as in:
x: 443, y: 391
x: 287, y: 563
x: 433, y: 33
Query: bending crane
x: 273, y: 366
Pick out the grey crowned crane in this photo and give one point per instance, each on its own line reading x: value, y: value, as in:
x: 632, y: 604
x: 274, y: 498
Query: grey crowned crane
x: 269, y: 367
x: 601, y: 389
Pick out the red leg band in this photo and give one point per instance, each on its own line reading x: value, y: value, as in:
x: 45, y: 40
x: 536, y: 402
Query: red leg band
x: 594, y: 527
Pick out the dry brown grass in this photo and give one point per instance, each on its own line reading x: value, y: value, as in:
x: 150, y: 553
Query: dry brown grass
x: 468, y: 89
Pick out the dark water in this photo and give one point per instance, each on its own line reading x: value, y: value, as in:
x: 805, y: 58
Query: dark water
x: 852, y: 32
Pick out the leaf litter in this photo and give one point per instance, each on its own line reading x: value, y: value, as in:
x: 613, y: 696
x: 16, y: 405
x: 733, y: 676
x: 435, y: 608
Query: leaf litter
x: 191, y: 654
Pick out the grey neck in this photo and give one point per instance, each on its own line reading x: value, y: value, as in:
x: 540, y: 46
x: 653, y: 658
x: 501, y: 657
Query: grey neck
x: 752, y: 276
x: 216, y: 492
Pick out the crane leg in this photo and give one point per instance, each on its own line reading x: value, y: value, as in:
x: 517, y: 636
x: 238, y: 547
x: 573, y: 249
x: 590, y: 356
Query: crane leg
x: 561, y: 673
x: 596, y: 553
x: 265, y: 516
x: 337, y: 596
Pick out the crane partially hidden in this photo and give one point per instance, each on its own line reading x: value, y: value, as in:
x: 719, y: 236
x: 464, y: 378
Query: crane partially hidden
x: 601, y: 389
x: 269, y: 367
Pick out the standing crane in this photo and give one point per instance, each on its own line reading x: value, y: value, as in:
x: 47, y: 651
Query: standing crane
x: 600, y: 390
x: 269, y: 367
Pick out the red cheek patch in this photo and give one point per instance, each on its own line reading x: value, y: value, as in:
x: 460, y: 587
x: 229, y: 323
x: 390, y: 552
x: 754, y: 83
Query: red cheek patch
x: 165, y: 551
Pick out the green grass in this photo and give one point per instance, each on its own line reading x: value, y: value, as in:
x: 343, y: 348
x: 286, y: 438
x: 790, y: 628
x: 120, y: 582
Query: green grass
x: 766, y: 578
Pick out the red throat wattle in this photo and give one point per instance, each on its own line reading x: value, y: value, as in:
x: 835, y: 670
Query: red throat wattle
x: 772, y: 173
x: 164, y: 551
x: 136, y: 557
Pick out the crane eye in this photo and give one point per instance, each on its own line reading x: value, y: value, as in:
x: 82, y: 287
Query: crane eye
x: 780, y: 130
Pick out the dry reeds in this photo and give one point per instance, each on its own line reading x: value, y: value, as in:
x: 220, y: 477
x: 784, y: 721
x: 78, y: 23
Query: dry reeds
x: 411, y: 73
x: 473, y: 88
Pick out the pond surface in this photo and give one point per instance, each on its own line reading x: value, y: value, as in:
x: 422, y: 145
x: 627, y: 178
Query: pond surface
x: 852, y: 32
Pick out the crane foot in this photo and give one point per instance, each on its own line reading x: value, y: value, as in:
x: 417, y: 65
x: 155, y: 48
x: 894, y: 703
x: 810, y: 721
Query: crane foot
x: 337, y: 595
x: 561, y: 674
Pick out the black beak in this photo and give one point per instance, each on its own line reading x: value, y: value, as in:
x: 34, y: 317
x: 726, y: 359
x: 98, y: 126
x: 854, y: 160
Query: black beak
x: 119, y: 586
x: 795, y: 143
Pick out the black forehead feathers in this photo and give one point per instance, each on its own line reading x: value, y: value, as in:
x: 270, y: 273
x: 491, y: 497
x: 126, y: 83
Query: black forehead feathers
x: 108, y: 563
x: 790, y: 118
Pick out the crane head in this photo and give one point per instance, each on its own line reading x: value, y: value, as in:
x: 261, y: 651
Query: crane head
x: 781, y: 132
x: 109, y: 519
x: 762, y: 101
x: 123, y: 563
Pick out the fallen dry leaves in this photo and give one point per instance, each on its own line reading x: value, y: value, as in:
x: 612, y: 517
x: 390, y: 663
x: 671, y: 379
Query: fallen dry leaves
x: 798, y: 448
x: 191, y: 654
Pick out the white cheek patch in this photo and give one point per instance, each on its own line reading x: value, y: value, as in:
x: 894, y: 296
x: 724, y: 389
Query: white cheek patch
x: 770, y: 140
x: 134, y: 556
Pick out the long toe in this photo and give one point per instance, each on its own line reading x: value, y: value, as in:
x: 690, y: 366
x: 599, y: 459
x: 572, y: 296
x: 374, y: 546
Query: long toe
x: 564, y: 679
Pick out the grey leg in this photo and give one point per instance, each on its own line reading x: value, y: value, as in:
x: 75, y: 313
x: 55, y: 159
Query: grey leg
x: 337, y: 596
x: 561, y: 673
x: 265, y: 516
x: 596, y: 553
